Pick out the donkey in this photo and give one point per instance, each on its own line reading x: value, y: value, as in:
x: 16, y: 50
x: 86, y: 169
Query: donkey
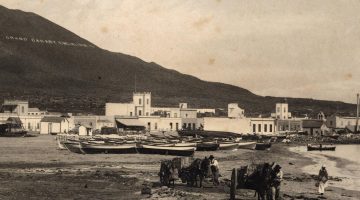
x: 198, y: 168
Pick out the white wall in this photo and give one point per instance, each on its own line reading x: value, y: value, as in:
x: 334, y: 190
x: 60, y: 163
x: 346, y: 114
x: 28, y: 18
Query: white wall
x: 236, y: 125
x: 160, y: 123
x: 125, y: 109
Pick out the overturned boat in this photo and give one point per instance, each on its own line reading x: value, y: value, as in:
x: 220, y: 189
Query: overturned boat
x: 163, y: 150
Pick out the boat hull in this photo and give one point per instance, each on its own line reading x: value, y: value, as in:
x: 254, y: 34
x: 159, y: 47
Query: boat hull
x: 218, y: 134
x: 108, y: 149
x: 207, y: 146
x: 262, y: 146
x: 228, y: 146
x: 73, y: 147
x: 246, y: 145
x: 312, y: 148
x: 175, y: 151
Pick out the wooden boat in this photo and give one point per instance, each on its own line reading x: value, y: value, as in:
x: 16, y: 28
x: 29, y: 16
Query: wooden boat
x: 203, y: 133
x: 89, y: 148
x: 320, y: 147
x: 60, y: 144
x: 207, y: 146
x: 262, y: 146
x: 176, y: 151
x: 186, y: 144
x: 73, y: 146
x: 246, y: 145
x: 228, y: 146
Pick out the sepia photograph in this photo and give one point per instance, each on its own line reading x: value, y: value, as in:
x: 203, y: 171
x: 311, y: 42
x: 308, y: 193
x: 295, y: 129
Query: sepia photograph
x: 179, y: 99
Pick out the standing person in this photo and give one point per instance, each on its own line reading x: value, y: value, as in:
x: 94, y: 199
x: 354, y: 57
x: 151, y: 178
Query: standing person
x: 323, y: 179
x: 277, y: 176
x: 214, y: 165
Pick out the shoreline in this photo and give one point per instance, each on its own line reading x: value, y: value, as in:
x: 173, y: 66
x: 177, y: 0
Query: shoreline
x: 34, y: 167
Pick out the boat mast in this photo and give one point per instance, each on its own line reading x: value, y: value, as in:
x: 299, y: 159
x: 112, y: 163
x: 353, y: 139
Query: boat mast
x: 357, y: 113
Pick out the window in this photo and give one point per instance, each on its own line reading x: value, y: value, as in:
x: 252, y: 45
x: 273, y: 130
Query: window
x: 194, y: 126
x: 186, y: 115
x: 22, y: 109
x: 130, y: 113
x: 147, y: 101
x: 139, y: 101
x: 155, y: 126
x: 254, y: 128
x: 147, y: 114
x: 265, y: 128
x: 149, y: 126
x: 184, y: 126
x: 270, y: 128
x: 284, y: 109
x: 29, y: 126
x: 278, y: 109
x: 189, y: 126
x: 177, y: 126
x: 139, y: 112
x: 171, y: 126
x: 259, y: 128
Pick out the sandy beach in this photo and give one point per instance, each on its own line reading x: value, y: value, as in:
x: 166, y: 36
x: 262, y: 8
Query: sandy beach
x: 33, y: 168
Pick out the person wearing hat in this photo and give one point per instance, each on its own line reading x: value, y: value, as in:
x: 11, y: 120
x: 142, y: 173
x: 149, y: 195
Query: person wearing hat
x: 323, y: 179
x: 214, y: 165
x: 277, y: 176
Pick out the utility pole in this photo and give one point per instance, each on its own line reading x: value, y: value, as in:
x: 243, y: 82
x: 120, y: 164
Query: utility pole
x: 357, y: 113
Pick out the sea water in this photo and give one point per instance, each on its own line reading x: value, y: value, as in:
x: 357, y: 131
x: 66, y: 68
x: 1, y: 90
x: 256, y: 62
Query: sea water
x: 344, y: 163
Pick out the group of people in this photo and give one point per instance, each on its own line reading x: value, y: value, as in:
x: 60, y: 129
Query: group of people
x: 276, y: 177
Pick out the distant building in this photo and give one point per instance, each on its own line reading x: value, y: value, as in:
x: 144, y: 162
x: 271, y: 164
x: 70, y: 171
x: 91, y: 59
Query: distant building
x: 340, y: 122
x: 54, y: 125
x: 282, y: 111
x: 321, y: 116
x: 36, y: 111
x: 288, y: 125
x: 314, y: 127
x: 234, y: 111
x: 225, y: 124
x: 15, y: 106
x: 263, y: 126
x: 140, y: 106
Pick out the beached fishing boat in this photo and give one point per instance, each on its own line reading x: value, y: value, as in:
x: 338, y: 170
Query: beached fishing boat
x: 203, y: 133
x: 176, y: 151
x: 207, y: 146
x: 320, y: 147
x: 246, y: 145
x: 262, y: 146
x: 73, y: 146
x: 228, y: 146
x: 89, y: 148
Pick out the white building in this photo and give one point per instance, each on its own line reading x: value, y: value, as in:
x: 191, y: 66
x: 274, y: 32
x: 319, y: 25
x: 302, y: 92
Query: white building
x: 15, y: 107
x: 234, y: 125
x: 263, y: 126
x: 234, y: 111
x: 50, y: 125
x: 335, y: 121
x: 140, y: 106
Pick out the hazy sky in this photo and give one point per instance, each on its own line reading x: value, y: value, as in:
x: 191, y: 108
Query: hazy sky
x: 276, y: 48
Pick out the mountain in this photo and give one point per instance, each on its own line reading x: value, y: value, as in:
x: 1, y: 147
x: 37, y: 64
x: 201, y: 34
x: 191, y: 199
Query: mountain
x: 57, y: 70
